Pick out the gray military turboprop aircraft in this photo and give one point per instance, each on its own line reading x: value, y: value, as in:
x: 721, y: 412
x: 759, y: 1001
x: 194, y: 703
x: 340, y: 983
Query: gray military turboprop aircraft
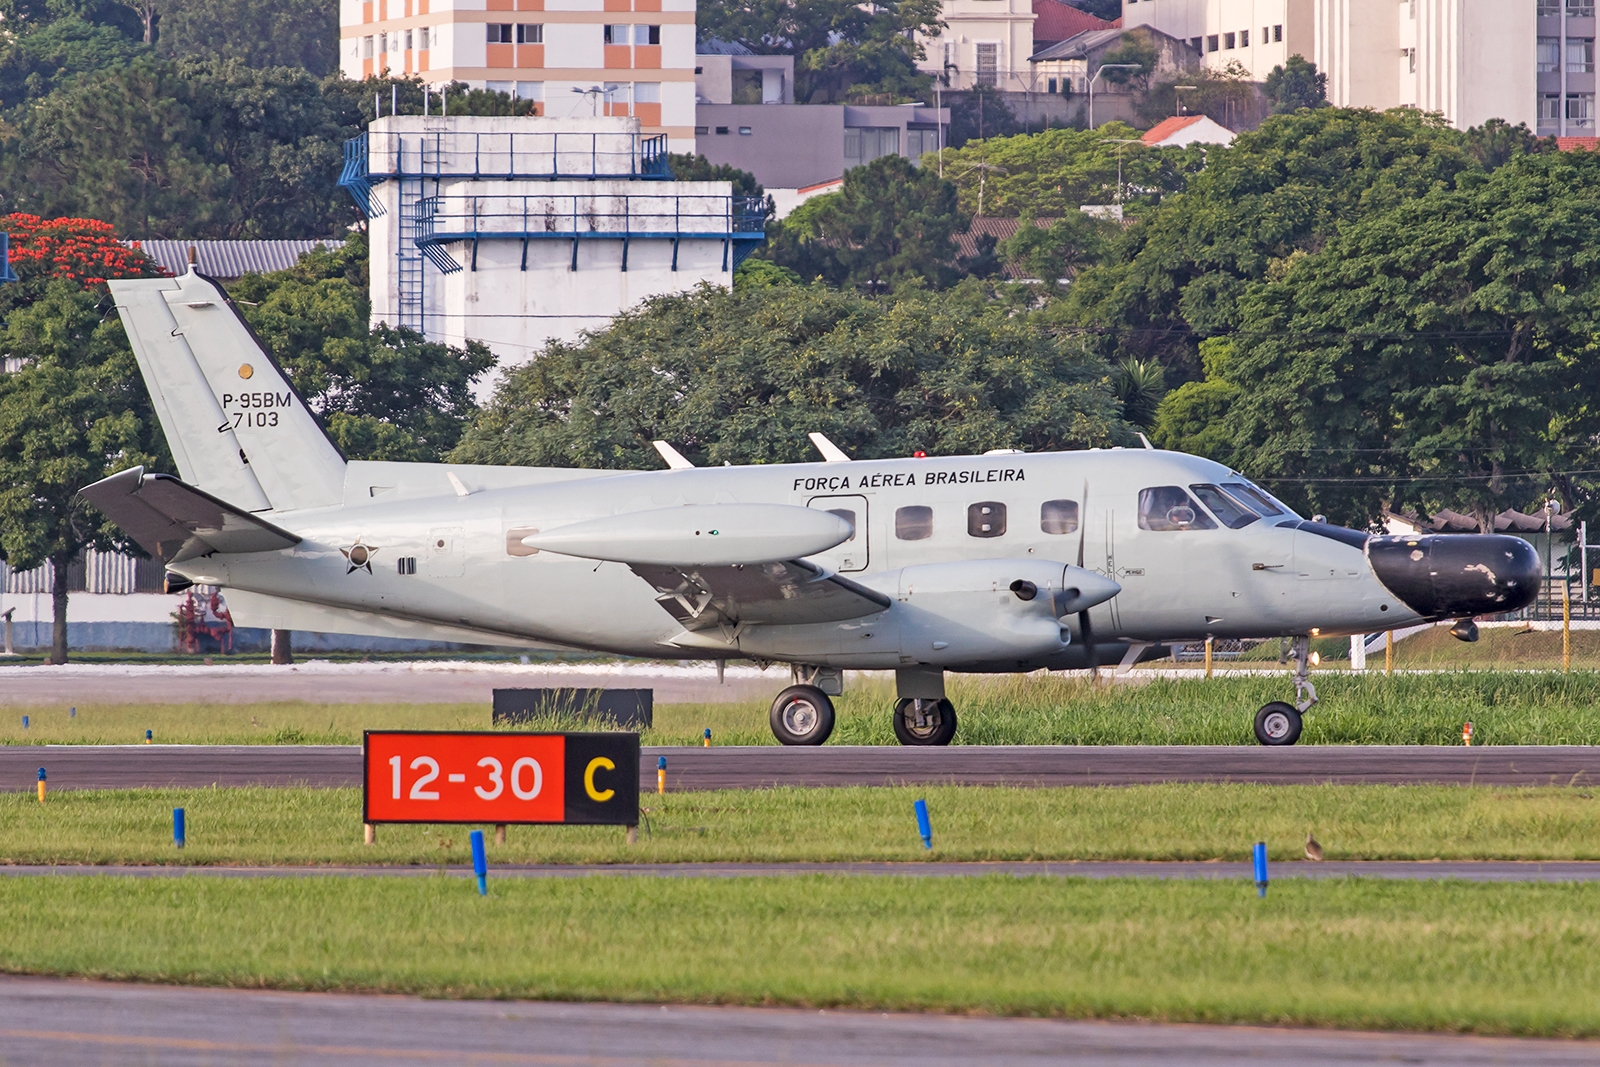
x: 994, y: 563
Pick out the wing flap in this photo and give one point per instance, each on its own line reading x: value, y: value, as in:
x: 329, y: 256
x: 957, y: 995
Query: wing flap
x: 174, y: 521
x: 788, y: 593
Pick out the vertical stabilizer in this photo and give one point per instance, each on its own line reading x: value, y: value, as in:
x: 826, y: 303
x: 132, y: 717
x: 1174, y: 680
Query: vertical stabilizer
x: 235, y: 425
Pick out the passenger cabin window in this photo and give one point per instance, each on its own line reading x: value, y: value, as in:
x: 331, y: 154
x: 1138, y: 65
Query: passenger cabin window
x: 913, y: 523
x: 1253, y: 498
x: 1058, y: 516
x: 1233, y: 514
x: 848, y: 516
x: 986, y: 518
x: 1168, y: 507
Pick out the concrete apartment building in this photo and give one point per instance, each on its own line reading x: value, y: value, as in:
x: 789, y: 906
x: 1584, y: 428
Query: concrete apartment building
x: 573, y: 58
x: 1470, y: 60
x: 989, y: 42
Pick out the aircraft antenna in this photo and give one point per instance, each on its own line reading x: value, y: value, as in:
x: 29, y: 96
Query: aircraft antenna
x: 674, y: 458
x: 831, y: 453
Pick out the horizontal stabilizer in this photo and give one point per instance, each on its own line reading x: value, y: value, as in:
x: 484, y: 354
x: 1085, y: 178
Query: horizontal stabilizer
x: 791, y: 593
x: 173, y: 521
x: 700, y: 535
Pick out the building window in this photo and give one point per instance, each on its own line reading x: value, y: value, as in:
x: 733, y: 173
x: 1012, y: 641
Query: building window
x: 616, y: 34
x: 1580, y: 55
x: 1244, y: 38
x: 744, y: 131
x: 722, y: 131
x: 920, y: 141
x: 530, y: 33
x: 1212, y: 43
x: 647, y: 92
x: 499, y: 32
x: 530, y: 90
x: 701, y: 131
x: 1550, y: 8
x: 863, y: 144
x: 1580, y: 9
x: 988, y: 64
x: 1549, y: 108
x: 1227, y: 40
x: 1411, y: 60
x: 1277, y: 33
x: 1549, y: 54
x: 1052, y: 87
x: 647, y: 35
x: 914, y: 523
x: 422, y: 39
x: 366, y: 48
x: 1197, y: 43
x: 383, y: 44
x: 1580, y: 111
x: 501, y: 87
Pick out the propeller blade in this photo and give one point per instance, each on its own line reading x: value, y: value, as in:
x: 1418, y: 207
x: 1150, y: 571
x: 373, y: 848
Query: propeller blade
x: 1085, y: 630
x: 1083, y: 520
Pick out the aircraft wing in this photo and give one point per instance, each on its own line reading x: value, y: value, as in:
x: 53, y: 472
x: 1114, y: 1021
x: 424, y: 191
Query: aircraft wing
x: 174, y: 521
x: 785, y: 593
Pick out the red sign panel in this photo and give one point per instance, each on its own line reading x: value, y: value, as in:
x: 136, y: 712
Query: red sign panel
x: 494, y: 777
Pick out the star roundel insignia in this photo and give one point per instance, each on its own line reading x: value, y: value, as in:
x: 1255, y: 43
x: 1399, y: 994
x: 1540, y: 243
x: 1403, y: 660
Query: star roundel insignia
x: 358, y: 557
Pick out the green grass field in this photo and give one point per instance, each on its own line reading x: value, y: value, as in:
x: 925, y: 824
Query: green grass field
x: 1160, y: 822
x: 1505, y: 708
x: 1448, y: 956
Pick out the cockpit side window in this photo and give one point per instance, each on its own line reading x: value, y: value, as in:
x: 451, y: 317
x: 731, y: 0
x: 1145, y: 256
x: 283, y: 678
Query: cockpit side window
x: 1168, y: 507
x: 1233, y: 514
x: 1253, y: 498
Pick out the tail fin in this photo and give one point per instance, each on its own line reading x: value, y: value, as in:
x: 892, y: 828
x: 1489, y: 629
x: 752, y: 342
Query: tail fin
x: 236, y: 427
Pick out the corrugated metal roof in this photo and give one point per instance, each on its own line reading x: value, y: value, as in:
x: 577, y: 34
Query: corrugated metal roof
x: 230, y: 259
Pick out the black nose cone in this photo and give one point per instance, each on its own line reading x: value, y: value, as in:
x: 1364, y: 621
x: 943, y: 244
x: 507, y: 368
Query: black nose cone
x: 1443, y: 576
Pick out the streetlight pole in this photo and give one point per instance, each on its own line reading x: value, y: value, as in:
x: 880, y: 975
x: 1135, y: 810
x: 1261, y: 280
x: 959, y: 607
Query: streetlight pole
x: 1099, y: 71
x: 1121, y: 143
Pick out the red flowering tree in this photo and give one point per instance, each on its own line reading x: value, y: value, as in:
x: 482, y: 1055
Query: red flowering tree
x: 72, y: 407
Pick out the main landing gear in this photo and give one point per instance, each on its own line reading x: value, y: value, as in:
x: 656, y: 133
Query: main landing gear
x: 1279, y: 723
x: 803, y: 713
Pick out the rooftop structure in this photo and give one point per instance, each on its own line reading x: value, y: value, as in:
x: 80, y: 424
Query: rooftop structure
x: 1185, y: 130
x: 230, y: 259
x: 519, y: 231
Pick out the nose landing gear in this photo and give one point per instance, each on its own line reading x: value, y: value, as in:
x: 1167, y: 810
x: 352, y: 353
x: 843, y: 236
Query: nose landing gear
x: 1279, y: 723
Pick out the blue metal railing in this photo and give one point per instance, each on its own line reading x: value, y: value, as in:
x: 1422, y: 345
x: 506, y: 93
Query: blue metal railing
x: 356, y: 178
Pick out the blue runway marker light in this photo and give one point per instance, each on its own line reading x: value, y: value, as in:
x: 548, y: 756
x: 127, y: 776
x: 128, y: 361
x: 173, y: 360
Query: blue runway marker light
x: 179, y: 834
x: 1261, y: 868
x: 480, y: 863
x: 24, y: 722
x: 41, y: 785
x: 923, y: 826
x: 148, y: 735
x: 72, y: 713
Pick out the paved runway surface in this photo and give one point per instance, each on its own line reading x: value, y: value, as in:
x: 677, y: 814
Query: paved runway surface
x: 45, y: 1022
x: 131, y: 766
x: 418, y: 682
x: 1405, y: 870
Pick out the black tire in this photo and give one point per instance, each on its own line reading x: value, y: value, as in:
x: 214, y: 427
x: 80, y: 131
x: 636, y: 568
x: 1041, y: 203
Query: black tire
x: 1278, y: 723
x: 924, y: 722
x: 802, y: 715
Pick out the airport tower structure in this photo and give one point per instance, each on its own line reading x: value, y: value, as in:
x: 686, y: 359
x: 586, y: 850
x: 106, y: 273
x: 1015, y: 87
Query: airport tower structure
x: 520, y: 231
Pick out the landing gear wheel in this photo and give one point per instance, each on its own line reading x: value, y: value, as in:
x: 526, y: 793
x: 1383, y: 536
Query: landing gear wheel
x: 924, y: 722
x: 1278, y: 723
x: 802, y: 715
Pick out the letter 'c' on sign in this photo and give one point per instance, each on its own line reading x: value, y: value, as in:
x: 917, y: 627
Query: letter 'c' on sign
x: 598, y: 763
x: 523, y: 764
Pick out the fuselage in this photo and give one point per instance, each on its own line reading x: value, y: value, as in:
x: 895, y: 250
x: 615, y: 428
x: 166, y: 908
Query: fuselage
x: 441, y: 545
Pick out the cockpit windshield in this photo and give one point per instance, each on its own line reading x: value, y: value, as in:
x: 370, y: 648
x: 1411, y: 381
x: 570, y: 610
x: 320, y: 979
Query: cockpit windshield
x: 1256, y: 498
x: 1231, y: 512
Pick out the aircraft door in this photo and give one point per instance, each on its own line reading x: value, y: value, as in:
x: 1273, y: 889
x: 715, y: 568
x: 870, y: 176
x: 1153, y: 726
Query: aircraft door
x: 446, y: 558
x: 856, y: 553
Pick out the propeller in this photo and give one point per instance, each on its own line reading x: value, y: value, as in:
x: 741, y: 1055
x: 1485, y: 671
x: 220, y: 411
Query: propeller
x: 1085, y: 630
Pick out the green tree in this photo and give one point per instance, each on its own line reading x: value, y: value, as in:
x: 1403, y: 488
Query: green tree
x: 742, y: 377
x: 1228, y: 96
x: 73, y: 412
x: 384, y: 392
x: 1134, y: 48
x: 1496, y: 141
x: 1284, y: 190
x: 1294, y: 85
x: 257, y: 33
x: 687, y: 167
x: 1058, y: 252
x: 842, y: 50
x: 1053, y: 173
x: 979, y: 114
x: 890, y: 224
x: 53, y: 54
x: 1439, y: 353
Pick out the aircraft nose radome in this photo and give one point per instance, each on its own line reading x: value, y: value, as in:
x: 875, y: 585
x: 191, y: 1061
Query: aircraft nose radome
x: 1457, y: 575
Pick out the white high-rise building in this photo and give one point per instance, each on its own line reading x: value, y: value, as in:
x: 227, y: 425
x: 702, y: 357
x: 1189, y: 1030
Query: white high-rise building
x: 573, y: 58
x: 1470, y: 60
